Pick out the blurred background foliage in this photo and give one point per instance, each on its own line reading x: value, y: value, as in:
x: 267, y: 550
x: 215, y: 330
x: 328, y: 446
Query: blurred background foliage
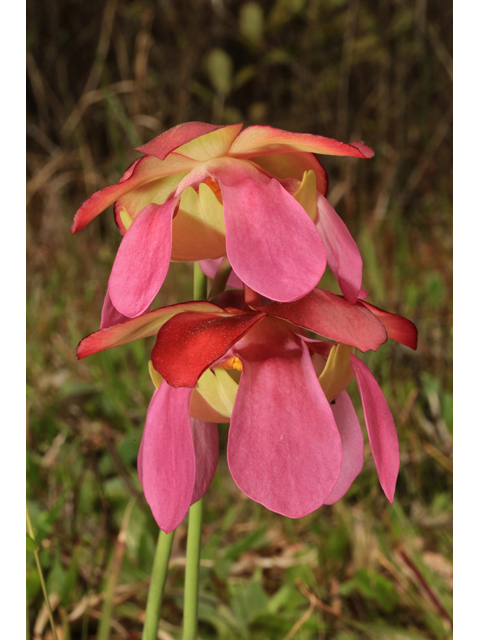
x: 103, y: 77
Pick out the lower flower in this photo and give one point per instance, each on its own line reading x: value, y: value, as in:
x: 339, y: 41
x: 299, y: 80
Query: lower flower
x: 294, y: 442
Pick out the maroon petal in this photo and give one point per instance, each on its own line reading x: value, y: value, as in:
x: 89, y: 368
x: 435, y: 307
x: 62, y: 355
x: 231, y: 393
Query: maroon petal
x: 398, y: 328
x: 190, y: 342
x: 333, y: 317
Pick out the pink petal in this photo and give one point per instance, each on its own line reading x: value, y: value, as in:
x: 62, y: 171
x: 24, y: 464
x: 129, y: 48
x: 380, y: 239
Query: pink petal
x: 205, y: 442
x: 260, y: 140
x: 398, y: 328
x: 380, y: 427
x: 352, y: 445
x: 190, y: 342
x: 294, y: 165
x: 343, y: 255
x: 284, y: 450
x: 272, y: 244
x: 142, y: 259
x: 333, y: 317
x: 166, y: 461
x: 144, y: 326
x: 141, y: 172
x: 209, y: 268
x: 110, y: 315
x: 175, y: 137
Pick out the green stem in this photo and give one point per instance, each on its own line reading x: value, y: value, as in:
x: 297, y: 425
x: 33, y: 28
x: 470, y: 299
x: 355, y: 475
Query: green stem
x: 157, y: 585
x: 199, y: 283
x: 194, y: 541
x: 42, y: 580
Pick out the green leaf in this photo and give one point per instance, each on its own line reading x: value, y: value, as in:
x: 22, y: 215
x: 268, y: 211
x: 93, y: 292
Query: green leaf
x: 32, y: 545
x: 251, y: 22
x: 219, y: 68
x: 373, y: 586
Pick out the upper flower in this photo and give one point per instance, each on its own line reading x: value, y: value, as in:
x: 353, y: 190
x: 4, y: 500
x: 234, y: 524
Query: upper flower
x: 288, y: 448
x: 203, y: 192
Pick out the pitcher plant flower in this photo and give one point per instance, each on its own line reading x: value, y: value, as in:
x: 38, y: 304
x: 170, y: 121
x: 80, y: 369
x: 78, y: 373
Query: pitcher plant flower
x: 202, y: 192
x: 294, y: 441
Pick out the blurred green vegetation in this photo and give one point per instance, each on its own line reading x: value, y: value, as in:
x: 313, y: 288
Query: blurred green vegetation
x: 104, y: 77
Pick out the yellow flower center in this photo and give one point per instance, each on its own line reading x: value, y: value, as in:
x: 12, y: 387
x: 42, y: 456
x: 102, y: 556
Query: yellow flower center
x: 233, y: 363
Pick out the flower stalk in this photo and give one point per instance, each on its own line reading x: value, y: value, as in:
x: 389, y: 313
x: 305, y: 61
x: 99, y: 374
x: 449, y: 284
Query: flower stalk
x: 194, y: 539
x: 157, y: 585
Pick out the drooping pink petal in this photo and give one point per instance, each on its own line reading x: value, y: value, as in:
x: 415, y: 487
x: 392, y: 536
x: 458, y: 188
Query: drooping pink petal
x: 110, y: 315
x: 138, y: 328
x: 209, y: 268
x: 175, y: 137
x: 141, y: 172
x: 343, y: 255
x: 380, y: 427
x: 272, y: 244
x: 398, y: 328
x: 352, y: 445
x: 294, y: 165
x: 261, y: 140
x: 190, y: 342
x: 205, y: 441
x: 142, y: 259
x: 166, y: 461
x: 284, y: 450
x: 333, y: 317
